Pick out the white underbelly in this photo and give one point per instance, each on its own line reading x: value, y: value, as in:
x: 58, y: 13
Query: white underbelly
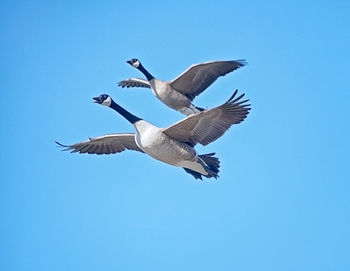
x: 193, y: 165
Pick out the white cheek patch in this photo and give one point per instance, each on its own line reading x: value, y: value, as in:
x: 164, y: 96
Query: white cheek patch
x: 136, y: 64
x: 107, y: 102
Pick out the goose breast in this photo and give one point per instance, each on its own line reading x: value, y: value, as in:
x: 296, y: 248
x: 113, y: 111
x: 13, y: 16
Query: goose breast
x: 172, y: 98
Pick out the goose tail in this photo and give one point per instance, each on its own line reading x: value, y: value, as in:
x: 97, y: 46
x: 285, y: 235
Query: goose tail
x: 211, y: 165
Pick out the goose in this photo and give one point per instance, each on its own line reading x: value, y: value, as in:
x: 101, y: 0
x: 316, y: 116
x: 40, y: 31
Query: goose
x: 173, y: 145
x: 179, y: 93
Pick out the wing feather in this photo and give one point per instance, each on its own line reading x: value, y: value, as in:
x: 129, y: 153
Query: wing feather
x: 107, y: 144
x: 199, y: 77
x: 208, y: 125
x: 134, y: 82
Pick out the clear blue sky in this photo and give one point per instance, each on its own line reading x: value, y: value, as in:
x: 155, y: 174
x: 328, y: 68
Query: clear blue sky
x: 282, y: 201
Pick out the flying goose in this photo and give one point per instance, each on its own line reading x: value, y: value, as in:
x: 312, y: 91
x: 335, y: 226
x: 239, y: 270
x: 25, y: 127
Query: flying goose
x: 173, y: 145
x: 179, y: 93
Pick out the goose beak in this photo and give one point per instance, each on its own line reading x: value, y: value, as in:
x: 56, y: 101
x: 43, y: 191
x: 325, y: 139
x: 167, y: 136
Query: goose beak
x: 129, y: 62
x: 97, y: 100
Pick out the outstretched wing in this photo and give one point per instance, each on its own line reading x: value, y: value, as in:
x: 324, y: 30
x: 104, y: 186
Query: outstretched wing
x: 134, y: 82
x: 208, y: 125
x: 106, y: 144
x: 199, y: 77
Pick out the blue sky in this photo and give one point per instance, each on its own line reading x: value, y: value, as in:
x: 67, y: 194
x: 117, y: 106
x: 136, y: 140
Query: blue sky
x: 282, y: 201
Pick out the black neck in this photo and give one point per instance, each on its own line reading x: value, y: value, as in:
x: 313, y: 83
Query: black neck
x: 145, y: 72
x: 130, y: 117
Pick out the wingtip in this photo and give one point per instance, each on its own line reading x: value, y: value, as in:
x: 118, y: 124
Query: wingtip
x: 63, y: 146
x: 242, y: 62
x: 232, y: 96
x: 120, y: 84
x: 60, y: 144
x: 235, y: 102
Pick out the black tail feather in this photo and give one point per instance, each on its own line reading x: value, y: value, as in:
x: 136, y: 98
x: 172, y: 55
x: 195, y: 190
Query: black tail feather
x: 210, y: 163
x: 195, y: 174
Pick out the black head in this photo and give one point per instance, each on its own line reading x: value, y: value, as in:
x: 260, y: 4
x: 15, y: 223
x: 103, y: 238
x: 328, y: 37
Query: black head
x: 134, y: 62
x: 103, y: 99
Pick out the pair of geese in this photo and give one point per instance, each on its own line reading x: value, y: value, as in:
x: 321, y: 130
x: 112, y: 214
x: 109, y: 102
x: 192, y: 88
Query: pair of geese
x: 174, y: 145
